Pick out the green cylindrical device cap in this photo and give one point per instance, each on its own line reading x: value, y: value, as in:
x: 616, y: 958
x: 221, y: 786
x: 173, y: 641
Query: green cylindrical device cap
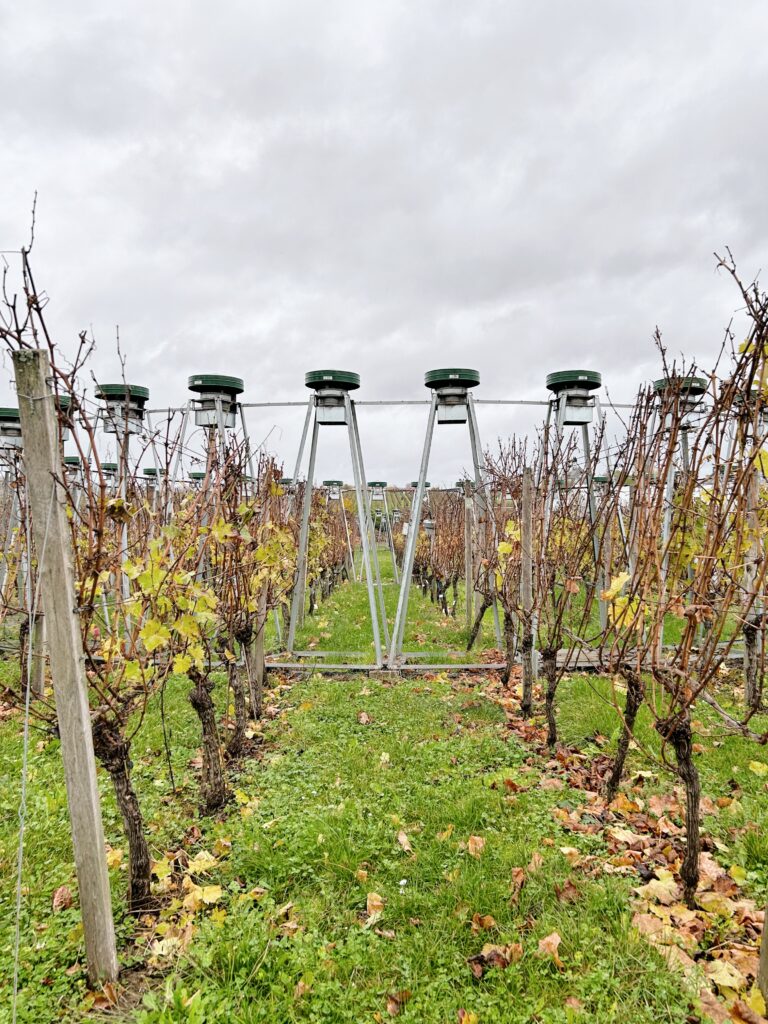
x: 203, y: 382
x: 694, y: 386
x: 132, y: 391
x: 451, y: 377
x: 10, y: 415
x: 415, y: 483
x: 564, y: 380
x: 342, y: 380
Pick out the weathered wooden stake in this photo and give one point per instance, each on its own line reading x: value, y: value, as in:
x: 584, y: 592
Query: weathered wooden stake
x: 53, y: 542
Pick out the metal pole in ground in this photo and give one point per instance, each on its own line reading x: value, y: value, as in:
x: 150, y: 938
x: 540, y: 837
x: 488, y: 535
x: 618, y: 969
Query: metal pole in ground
x: 297, y: 602
x: 398, y: 629
x: 362, y: 514
x: 355, y: 440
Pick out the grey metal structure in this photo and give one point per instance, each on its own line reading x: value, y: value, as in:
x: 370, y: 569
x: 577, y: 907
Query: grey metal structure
x: 451, y: 402
x: 330, y: 404
x: 573, y: 404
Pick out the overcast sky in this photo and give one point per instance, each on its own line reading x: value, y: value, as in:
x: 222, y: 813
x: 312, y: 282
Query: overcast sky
x: 268, y: 188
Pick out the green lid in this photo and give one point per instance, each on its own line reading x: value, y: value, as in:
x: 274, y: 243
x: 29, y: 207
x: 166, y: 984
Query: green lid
x: 694, y: 386
x: 451, y: 378
x: 415, y: 483
x: 460, y: 483
x: 63, y: 402
x: 11, y: 415
x: 563, y: 380
x: 72, y: 460
x: 151, y: 471
x: 333, y: 483
x: 343, y: 380
x: 286, y: 481
x: 377, y: 483
x: 203, y: 382
x: 133, y: 391
x: 601, y: 479
x: 109, y: 467
x: 197, y: 474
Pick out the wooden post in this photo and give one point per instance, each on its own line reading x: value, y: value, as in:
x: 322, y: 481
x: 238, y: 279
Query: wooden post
x: 526, y: 586
x: 53, y: 543
x: 762, y: 973
x: 469, y: 570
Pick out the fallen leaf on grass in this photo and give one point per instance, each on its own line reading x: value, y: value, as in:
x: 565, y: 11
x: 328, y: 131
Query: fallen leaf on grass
x: 442, y: 836
x: 364, y: 718
x: 495, y: 956
x: 548, y: 946
x: 482, y: 922
x: 467, y: 1017
x: 567, y: 892
x: 374, y: 903
x: 725, y: 976
x: 62, y: 899
x: 475, y: 846
x: 518, y: 881
x: 114, y: 858
x: 201, y: 863
x: 396, y: 1001
x: 536, y: 861
x: 404, y: 842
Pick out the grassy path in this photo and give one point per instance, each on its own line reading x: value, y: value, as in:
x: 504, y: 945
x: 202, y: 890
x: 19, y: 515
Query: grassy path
x: 368, y: 788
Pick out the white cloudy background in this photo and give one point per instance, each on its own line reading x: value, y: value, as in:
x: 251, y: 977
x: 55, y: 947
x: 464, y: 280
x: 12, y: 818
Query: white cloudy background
x: 266, y: 188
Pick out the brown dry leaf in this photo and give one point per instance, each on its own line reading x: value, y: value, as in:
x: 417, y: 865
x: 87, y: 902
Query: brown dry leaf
x: 364, y: 718
x: 374, y: 903
x: 475, y: 846
x: 567, y: 892
x: 396, y: 1001
x: 467, y: 1017
x: 404, y: 842
x: 742, y: 1013
x: 713, y: 1007
x: 482, y: 922
x: 536, y: 861
x: 571, y: 854
x: 107, y: 998
x: 384, y: 933
x: 301, y: 989
x: 518, y: 881
x: 442, y: 836
x: 361, y: 875
x: 548, y: 946
x: 492, y: 955
x: 553, y: 784
x: 574, y: 1004
x: 62, y: 899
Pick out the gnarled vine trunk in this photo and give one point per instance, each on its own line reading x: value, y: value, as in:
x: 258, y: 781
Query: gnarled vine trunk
x: 113, y: 751
x: 631, y: 707
x: 549, y: 669
x: 235, y: 745
x: 510, y: 642
x: 484, y: 606
x: 677, y: 730
x: 213, y: 789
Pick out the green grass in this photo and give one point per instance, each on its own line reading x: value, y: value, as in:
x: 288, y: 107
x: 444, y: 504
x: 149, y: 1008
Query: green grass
x: 343, y: 623
x: 333, y: 795
x: 328, y: 797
